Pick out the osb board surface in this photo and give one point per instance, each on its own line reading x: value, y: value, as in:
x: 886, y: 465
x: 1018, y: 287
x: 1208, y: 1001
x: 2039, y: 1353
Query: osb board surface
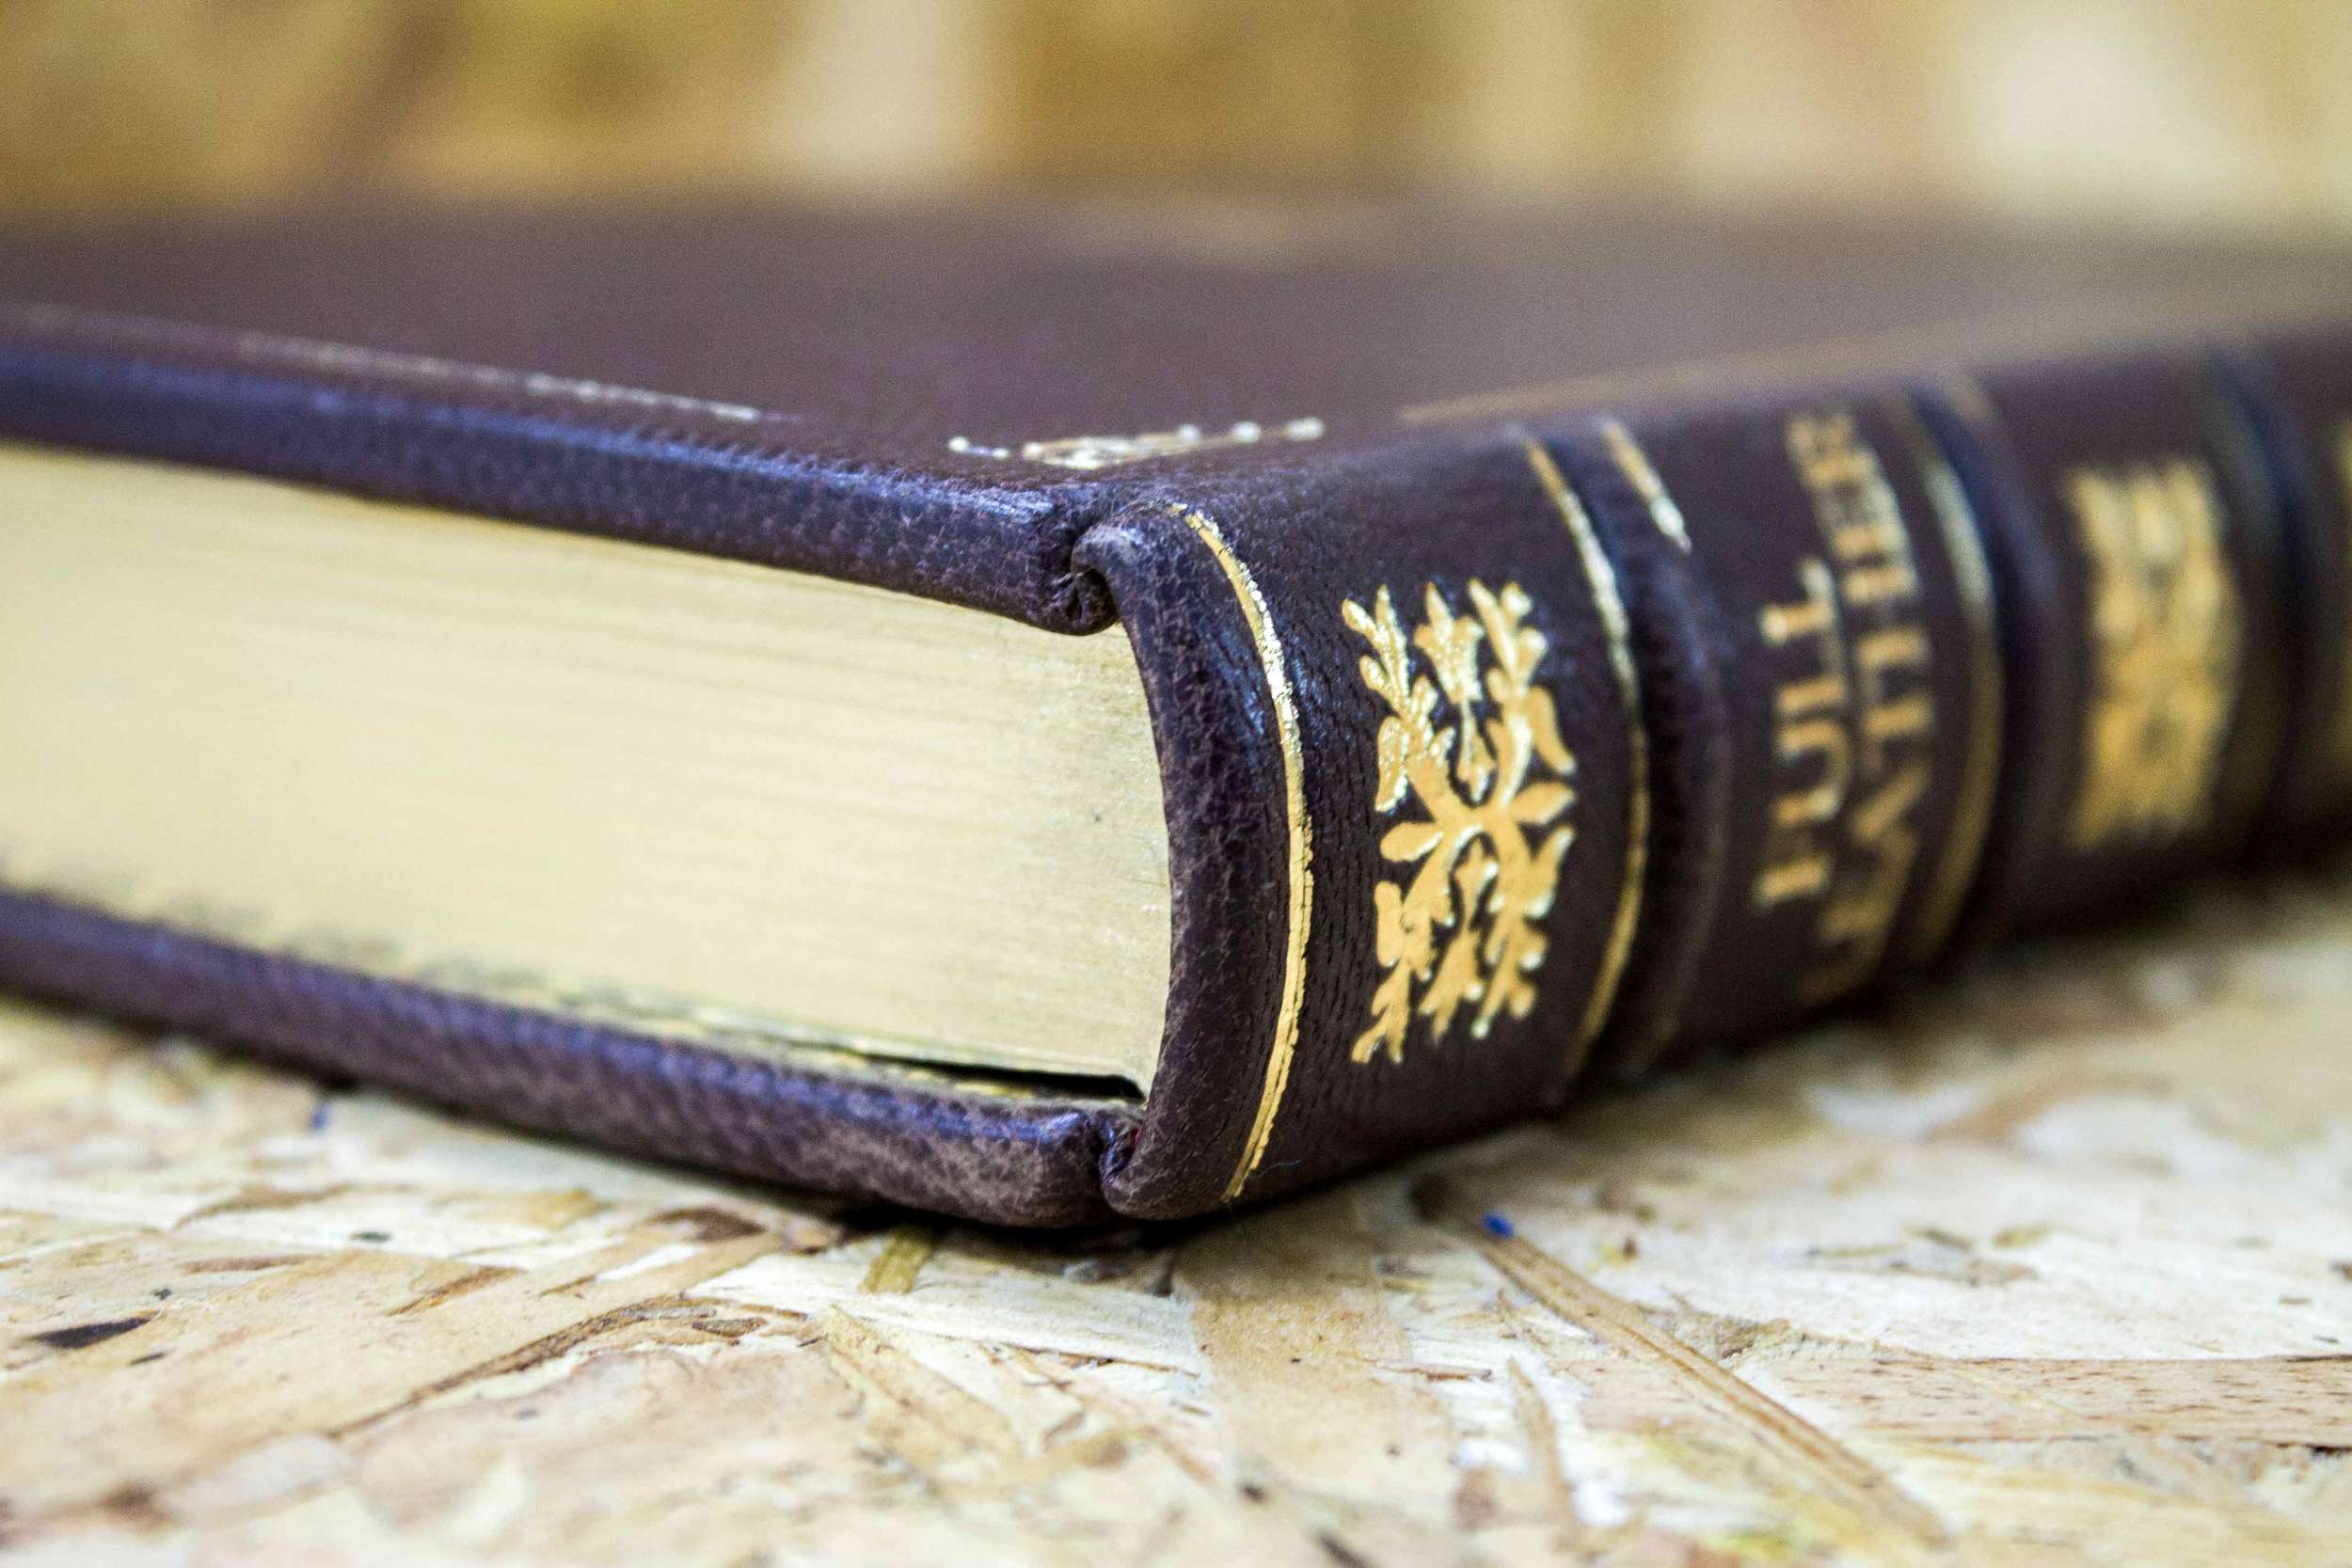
x: 2052, y: 1265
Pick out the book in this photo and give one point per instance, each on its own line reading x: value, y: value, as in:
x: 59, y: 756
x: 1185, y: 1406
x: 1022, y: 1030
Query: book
x: 1045, y: 715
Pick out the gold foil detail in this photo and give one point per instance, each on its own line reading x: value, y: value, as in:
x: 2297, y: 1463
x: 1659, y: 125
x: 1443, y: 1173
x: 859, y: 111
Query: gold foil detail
x: 1981, y: 769
x: 1271, y: 661
x: 2344, y: 711
x: 2166, y: 646
x: 1617, y: 627
x: 1854, y: 726
x: 1108, y: 452
x: 1476, y: 780
x: 1634, y: 463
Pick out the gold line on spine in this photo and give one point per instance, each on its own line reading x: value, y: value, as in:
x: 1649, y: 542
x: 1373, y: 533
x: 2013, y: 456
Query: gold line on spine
x: 2340, y: 735
x: 1618, y: 627
x: 1634, y: 463
x: 1980, y: 774
x: 1270, y: 658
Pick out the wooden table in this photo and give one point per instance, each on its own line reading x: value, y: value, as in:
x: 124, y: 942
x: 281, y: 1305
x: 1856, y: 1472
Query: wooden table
x: 2052, y: 1265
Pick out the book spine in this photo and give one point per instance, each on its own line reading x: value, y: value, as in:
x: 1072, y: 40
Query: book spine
x: 2292, y: 392
x: 1502, y: 763
x: 2154, y: 632
x: 1835, y: 787
x: 1399, y: 725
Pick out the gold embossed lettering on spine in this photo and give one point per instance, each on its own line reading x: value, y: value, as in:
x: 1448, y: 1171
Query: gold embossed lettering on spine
x: 1853, y: 716
x: 1460, y: 934
x: 2165, y: 647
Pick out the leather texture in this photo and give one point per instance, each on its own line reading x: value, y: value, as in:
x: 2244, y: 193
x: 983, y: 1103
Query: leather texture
x: 1812, y: 690
x: 1006, y: 1158
x: 2025, y: 437
x: 867, y: 340
x: 1367, y: 591
x: 2292, y: 391
x: 1414, y: 520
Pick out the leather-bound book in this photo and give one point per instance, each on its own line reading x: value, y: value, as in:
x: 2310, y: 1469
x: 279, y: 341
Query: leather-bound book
x: 1046, y: 715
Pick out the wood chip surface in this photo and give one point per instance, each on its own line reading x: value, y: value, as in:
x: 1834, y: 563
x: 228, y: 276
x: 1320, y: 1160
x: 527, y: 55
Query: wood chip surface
x: 2050, y: 1264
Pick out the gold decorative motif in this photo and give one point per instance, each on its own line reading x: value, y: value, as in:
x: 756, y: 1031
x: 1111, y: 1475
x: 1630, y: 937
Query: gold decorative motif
x: 2165, y: 646
x: 1272, y: 663
x: 1479, y: 873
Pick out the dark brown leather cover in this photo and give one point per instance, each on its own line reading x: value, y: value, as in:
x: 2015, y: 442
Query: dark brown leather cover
x: 1817, y: 592
x: 2294, y: 393
x: 2151, y: 641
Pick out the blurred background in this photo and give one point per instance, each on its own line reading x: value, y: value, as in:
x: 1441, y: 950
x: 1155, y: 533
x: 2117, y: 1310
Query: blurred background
x: 2224, y: 114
